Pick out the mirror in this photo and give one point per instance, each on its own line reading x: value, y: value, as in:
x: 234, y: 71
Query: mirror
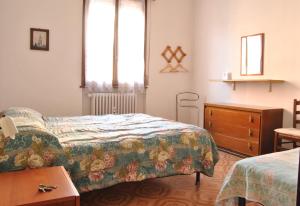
x: 252, y: 58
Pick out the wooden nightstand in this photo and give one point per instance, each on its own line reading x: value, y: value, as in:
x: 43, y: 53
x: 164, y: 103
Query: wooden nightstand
x: 21, y: 188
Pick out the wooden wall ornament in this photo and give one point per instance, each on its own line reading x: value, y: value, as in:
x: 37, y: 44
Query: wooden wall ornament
x: 176, y: 55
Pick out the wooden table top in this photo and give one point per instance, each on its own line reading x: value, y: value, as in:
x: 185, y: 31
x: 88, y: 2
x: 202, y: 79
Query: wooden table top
x: 21, y: 187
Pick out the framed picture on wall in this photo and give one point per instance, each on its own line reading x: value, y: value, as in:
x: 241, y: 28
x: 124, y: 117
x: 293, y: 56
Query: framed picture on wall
x: 39, y: 39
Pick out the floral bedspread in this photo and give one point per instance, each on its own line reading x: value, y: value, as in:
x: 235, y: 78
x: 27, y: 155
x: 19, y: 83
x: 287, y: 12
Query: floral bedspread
x: 100, y: 151
x: 269, y: 179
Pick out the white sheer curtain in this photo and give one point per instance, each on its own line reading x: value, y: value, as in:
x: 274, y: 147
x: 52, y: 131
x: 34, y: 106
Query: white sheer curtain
x: 115, y: 46
x: 131, y: 43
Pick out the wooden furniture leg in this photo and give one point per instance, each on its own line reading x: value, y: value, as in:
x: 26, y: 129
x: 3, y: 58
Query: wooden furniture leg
x: 294, y: 145
x: 197, y: 178
x: 275, y: 142
x: 241, y: 201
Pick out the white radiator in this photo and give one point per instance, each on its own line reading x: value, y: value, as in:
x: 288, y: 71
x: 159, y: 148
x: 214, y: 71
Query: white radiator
x: 113, y: 103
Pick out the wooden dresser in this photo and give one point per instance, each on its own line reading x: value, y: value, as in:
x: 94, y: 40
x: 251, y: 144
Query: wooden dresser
x: 248, y: 130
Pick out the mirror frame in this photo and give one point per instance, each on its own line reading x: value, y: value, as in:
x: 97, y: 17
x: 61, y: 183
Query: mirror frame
x: 262, y: 35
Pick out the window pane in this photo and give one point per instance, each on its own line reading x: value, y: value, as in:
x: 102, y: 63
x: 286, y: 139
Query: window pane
x: 99, y: 41
x: 131, y: 41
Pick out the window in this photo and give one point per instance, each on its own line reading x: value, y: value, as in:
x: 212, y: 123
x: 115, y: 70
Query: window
x: 114, y: 40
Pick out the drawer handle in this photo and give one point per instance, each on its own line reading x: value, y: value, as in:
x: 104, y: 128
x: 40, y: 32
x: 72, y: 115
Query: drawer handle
x: 250, y: 132
x: 251, y: 120
x: 210, y: 112
x: 250, y: 146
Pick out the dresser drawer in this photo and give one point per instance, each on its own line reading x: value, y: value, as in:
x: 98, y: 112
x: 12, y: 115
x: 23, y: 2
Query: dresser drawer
x: 233, y: 117
x: 243, y: 146
x: 233, y: 130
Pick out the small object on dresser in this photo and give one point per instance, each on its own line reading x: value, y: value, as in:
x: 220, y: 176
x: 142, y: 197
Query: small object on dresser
x: 46, y: 188
x: 227, y: 76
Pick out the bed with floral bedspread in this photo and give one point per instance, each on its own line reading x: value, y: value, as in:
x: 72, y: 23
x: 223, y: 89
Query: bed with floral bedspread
x: 268, y: 179
x: 100, y: 151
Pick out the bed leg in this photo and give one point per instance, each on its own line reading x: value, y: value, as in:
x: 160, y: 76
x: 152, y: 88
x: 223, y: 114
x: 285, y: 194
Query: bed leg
x: 197, y: 178
x: 242, y: 201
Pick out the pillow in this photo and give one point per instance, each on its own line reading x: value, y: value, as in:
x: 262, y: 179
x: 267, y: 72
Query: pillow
x: 12, y: 111
x: 25, y: 117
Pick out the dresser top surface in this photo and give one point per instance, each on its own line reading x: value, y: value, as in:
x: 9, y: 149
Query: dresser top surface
x: 241, y: 107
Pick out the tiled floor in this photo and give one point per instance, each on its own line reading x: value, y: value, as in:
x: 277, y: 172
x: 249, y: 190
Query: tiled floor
x: 168, y: 191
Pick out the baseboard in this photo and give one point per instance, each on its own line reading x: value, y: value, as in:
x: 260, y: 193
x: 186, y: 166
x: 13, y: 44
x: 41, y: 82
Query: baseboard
x: 233, y: 153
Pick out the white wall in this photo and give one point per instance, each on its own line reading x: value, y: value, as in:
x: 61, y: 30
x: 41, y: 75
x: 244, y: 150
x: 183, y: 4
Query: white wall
x: 49, y: 81
x: 171, y: 24
x: 46, y: 81
x: 219, y: 24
